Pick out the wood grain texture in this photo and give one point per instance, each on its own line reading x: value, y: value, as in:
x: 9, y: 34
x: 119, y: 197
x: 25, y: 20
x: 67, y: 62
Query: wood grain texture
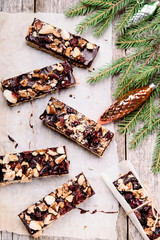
x: 15, y: 6
x: 141, y: 158
x: 120, y: 139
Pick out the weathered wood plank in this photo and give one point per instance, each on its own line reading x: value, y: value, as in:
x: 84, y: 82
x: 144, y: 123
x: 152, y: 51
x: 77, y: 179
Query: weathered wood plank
x: 120, y: 139
x: 57, y: 6
x: 15, y: 6
x: 141, y: 157
x: 6, y: 235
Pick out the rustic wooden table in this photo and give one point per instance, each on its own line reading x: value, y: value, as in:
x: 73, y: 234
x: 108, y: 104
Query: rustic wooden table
x: 140, y: 157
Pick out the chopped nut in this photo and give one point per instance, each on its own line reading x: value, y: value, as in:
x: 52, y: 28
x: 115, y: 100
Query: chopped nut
x: 19, y: 173
x: 51, y: 153
x: 148, y: 231
x: 24, y: 82
x: 60, y: 68
x: 59, y: 192
x: 31, y: 93
x: 34, y: 153
x: 46, y: 29
x: 23, y: 93
x: 76, y: 52
x: 35, y: 75
x: 53, y: 46
x: 89, y: 46
x: 29, y: 173
x: 60, y: 150
x: 38, y: 166
x: 57, y: 41
x: 67, y: 44
x: 9, y: 176
x: 48, y: 219
x: 27, y: 218
x: 56, y: 33
x: 10, y: 158
x: 38, y: 24
x: 36, y: 225
x: 68, y: 51
x: 65, y: 35
x: 150, y: 222
x: 43, y: 207
x: 10, y: 96
x: 60, y: 159
x: 31, y: 209
x: 82, y: 43
x: 34, y: 34
x: 59, y: 50
x: 61, y: 204
x: 58, y: 104
x: 129, y: 186
x: 29, y: 30
x: 35, y: 172
x: 50, y: 210
x: 38, y: 86
x: 70, y: 198
x: 49, y: 199
x: 81, y: 180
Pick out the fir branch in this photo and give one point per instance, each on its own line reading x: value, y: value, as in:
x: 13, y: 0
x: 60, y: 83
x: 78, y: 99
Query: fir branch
x: 156, y: 155
x: 137, y: 42
x: 117, y: 66
x: 143, y: 132
x: 103, y: 26
x: 79, y: 9
x: 123, y: 22
x: 98, y: 3
x: 131, y: 120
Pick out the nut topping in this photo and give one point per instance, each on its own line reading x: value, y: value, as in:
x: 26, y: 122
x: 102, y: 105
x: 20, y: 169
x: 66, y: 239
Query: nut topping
x: 65, y: 201
x: 36, y: 225
x: 46, y: 29
x: 81, y: 180
x: 24, y: 82
x: 60, y: 159
x: 49, y: 199
x: 60, y: 150
x: 65, y: 35
x: 10, y: 96
x: 90, y: 46
x: 76, y: 52
x: 9, y: 176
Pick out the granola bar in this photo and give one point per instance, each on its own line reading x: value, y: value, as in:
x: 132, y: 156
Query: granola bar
x: 56, y: 204
x: 130, y: 188
x: 76, y: 126
x: 60, y: 43
x: 38, y: 83
x: 24, y: 166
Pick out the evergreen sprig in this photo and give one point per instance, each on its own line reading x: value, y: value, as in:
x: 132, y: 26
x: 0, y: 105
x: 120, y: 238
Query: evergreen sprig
x: 156, y: 155
x: 102, y: 12
x: 137, y: 69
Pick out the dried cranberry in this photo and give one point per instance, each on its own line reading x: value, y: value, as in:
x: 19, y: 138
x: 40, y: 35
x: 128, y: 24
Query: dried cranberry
x: 82, y: 59
x: 74, y: 42
x: 27, y: 156
x: 38, y: 213
x: 62, y: 122
x: 44, y: 215
x: 78, y: 196
x: 70, y: 110
x: 54, y: 75
x: 66, y: 67
x: 75, y: 123
x: 38, y: 25
x: 44, y: 39
x: 128, y: 196
x: 68, y: 206
x: 108, y: 136
x: 73, y: 187
x: 13, y: 165
x: 24, y: 169
x: 69, y: 132
x: 62, y: 211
